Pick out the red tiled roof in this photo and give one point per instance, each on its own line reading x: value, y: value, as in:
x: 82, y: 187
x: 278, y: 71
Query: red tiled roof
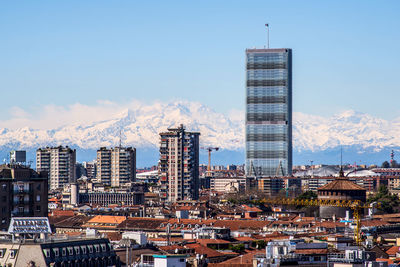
x: 251, y: 209
x: 243, y: 259
x: 107, y: 219
x: 245, y: 238
x: 170, y: 248
x: 114, y: 236
x: 342, y: 183
x: 235, y: 225
x: 205, y: 242
x: 62, y: 213
x: 393, y: 250
x: 142, y: 223
x: 204, y: 250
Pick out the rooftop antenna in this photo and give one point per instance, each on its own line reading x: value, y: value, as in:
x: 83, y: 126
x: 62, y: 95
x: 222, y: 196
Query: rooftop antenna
x: 267, y: 26
x: 341, y: 172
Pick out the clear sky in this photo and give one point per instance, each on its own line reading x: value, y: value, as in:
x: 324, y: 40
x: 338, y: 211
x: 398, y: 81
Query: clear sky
x: 345, y: 53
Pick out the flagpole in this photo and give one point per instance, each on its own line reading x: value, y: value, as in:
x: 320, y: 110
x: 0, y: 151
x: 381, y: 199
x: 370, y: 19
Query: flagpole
x: 266, y: 25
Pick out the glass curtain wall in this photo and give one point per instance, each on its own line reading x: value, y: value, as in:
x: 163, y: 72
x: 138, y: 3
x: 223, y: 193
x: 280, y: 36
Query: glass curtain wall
x: 268, y: 112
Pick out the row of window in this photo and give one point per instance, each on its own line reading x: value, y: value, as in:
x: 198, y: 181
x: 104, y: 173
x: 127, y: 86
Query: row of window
x: 266, y: 108
x: 76, y: 250
x: 13, y: 253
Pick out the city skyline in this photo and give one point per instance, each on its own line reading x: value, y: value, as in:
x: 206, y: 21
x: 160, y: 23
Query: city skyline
x: 59, y: 63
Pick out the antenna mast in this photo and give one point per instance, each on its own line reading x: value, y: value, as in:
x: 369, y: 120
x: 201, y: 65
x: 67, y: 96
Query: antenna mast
x: 267, y: 26
x: 341, y: 157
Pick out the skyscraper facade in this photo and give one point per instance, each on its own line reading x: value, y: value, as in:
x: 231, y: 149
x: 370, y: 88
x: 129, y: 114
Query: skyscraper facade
x: 116, y: 166
x: 179, y: 165
x: 59, y: 162
x: 268, y: 112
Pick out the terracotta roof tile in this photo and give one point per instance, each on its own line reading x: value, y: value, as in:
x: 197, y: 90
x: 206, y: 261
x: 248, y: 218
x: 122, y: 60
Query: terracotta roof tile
x: 393, y: 250
x: 243, y: 259
x: 142, y: 223
x: 204, y: 250
x: 62, y: 212
x: 342, y: 184
x: 107, y: 219
x: 205, y: 242
x: 245, y: 238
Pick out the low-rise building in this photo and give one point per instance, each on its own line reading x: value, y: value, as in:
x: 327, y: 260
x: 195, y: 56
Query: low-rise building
x: 228, y: 184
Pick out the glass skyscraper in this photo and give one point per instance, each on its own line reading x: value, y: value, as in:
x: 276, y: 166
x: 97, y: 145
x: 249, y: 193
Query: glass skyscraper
x: 268, y: 112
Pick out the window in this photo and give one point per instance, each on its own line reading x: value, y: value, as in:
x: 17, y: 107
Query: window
x: 38, y: 208
x: 64, y: 252
x: 38, y: 198
x: 13, y: 253
x: 4, y: 187
x: 70, y: 251
x: 97, y: 248
x: 2, y: 252
x: 103, y: 247
x: 46, y: 253
x: 56, y: 252
x: 77, y: 250
x: 83, y: 249
x: 90, y: 247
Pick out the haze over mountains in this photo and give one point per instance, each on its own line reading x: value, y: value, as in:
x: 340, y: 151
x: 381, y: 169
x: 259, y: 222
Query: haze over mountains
x: 364, y: 138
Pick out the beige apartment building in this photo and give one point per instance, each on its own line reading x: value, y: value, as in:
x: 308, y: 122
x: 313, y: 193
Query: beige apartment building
x: 59, y: 162
x: 116, y: 166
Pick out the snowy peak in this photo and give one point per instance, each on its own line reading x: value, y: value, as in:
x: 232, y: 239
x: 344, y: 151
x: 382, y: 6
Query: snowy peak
x: 140, y: 125
x: 348, y: 128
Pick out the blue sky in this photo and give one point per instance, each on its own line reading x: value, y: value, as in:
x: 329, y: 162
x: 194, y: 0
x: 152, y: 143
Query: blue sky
x: 346, y: 53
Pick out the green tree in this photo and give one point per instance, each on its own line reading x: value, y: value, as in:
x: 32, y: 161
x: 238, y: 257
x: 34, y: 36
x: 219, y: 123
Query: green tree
x: 389, y: 203
x: 394, y: 164
x: 385, y: 164
x: 261, y: 244
x: 239, y: 248
x: 307, y: 195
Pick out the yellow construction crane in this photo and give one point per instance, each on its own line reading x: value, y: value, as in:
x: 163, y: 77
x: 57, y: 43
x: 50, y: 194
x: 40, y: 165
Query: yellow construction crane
x: 355, y: 205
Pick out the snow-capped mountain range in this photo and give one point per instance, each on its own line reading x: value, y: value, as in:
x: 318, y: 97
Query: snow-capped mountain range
x: 140, y: 127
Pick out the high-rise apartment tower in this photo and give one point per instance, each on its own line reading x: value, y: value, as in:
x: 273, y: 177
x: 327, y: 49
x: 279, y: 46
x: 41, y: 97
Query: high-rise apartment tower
x: 59, y: 162
x: 268, y: 112
x: 116, y: 166
x: 178, y: 167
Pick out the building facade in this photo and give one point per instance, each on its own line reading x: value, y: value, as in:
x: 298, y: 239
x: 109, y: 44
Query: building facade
x: 90, y: 169
x: 79, y: 252
x: 116, y: 166
x: 179, y: 165
x: 23, y: 193
x: 268, y: 112
x: 107, y: 198
x: 59, y: 162
x: 229, y: 184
